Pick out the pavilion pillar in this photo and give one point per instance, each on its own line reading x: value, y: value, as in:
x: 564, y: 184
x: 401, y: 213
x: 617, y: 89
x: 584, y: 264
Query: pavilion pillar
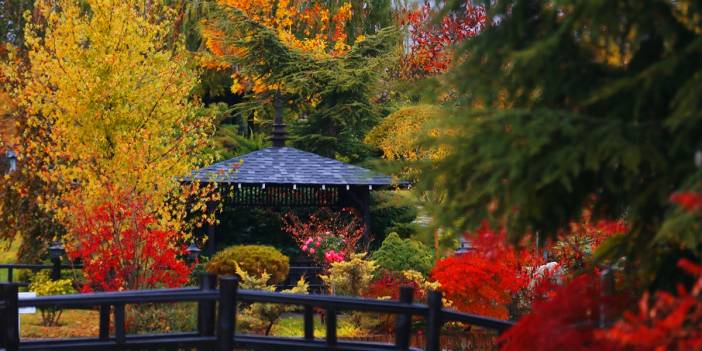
x: 358, y: 197
x: 365, y: 209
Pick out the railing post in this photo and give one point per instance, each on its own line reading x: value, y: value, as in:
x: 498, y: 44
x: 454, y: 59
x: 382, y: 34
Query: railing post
x: 56, y: 269
x: 226, y: 325
x: 309, y: 322
x: 10, y: 274
x: 104, y: 322
x: 120, y: 332
x: 403, y: 321
x: 9, y: 319
x: 434, y: 322
x: 206, y: 308
x: 331, y: 326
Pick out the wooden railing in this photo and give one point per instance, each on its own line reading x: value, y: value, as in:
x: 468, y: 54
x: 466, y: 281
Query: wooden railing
x: 309, y: 272
x: 216, y: 331
x: 55, y: 268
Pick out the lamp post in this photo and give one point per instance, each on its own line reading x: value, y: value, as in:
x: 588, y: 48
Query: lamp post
x: 56, y: 251
x: 464, y: 246
x: 193, y: 252
x: 12, y: 160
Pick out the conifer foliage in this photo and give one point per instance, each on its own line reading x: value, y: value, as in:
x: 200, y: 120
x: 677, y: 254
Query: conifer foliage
x: 330, y: 97
x: 563, y: 101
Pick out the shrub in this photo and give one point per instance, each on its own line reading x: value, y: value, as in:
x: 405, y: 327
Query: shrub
x: 351, y: 277
x: 260, y: 317
x: 392, y: 212
x: 397, y: 255
x: 43, y: 286
x: 161, y: 318
x: 325, y: 235
x: 123, y: 246
x: 253, y: 259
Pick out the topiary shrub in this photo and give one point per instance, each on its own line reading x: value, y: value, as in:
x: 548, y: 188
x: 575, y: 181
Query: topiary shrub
x: 254, y: 259
x: 397, y: 255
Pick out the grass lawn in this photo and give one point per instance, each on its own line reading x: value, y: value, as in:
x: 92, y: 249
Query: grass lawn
x: 73, y: 323
x: 293, y: 325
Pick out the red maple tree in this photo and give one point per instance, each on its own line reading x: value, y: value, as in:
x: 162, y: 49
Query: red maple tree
x: 485, y: 280
x: 430, y: 42
x: 122, y: 247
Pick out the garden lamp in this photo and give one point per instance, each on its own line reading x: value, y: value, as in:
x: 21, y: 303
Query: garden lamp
x: 56, y: 251
x: 193, y: 252
x: 698, y: 157
x: 12, y: 159
x: 464, y: 246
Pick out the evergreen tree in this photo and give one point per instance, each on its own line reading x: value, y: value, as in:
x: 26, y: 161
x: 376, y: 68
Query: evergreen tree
x: 331, y: 96
x: 570, y: 104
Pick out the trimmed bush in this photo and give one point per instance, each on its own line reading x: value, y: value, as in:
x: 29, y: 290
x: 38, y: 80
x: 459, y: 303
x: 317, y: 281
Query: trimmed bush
x: 44, y: 286
x: 254, y: 259
x: 397, y: 255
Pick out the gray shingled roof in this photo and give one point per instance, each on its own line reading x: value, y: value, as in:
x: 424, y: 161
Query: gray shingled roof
x: 286, y: 165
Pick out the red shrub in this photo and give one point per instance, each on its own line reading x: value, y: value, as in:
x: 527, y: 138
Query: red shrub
x: 123, y: 248
x: 388, y: 285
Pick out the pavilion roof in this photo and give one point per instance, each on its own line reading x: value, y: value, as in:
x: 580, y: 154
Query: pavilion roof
x: 287, y: 165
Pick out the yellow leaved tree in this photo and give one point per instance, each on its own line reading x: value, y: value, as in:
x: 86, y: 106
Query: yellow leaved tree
x: 106, y: 97
x: 399, y: 136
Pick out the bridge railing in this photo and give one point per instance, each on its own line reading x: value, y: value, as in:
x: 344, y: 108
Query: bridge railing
x: 216, y: 319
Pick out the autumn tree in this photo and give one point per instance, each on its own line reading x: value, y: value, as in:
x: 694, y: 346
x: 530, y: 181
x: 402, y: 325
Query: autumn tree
x: 21, y: 215
x: 430, y: 42
x: 108, y: 108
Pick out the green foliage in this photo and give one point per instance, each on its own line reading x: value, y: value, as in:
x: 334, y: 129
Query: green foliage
x: 397, y: 255
x: 350, y: 277
x: 260, y: 226
x: 161, y: 318
x: 392, y: 212
x: 260, y: 317
x: 44, y: 286
x: 331, y: 96
x: 230, y: 143
x: 253, y: 259
x: 564, y: 103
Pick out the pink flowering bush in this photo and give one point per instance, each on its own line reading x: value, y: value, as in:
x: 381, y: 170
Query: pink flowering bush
x: 325, y: 248
x: 326, y: 236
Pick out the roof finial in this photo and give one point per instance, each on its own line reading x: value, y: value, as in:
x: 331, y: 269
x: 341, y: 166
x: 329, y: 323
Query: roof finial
x: 279, y: 134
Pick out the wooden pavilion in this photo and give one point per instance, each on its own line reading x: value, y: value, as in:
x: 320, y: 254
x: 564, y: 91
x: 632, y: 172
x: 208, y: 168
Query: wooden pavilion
x: 282, y: 176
